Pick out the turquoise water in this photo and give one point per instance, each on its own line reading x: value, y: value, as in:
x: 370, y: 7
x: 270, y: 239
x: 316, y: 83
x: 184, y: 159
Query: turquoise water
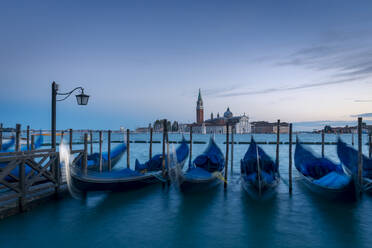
x: 163, y: 217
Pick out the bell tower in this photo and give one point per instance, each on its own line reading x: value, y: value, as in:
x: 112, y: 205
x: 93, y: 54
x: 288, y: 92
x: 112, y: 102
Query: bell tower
x: 199, y: 110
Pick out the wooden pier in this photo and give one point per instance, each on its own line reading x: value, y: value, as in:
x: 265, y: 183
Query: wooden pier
x: 41, y: 181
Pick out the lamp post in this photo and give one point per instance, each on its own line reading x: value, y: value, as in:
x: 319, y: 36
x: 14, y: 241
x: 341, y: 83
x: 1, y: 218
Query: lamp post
x: 82, y: 99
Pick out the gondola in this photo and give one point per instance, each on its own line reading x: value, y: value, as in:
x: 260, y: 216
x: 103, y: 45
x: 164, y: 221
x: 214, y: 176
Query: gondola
x: 322, y: 176
x: 259, y: 173
x: 206, y: 170
x: 155, y: 163
x: 8, y: 144
x: 349, y: 159
x: 125, y: 179
x: 116, y: 154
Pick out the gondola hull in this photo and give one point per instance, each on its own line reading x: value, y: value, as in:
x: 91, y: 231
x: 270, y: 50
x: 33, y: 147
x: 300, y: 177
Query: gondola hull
x: 347, y: 192
x: 114, y: 161
x: 193, y: 184
x: 256, y: 162
x: 87, y: 183
x: 322, y: 176
x: 267, y: 191
x: 205, y: 172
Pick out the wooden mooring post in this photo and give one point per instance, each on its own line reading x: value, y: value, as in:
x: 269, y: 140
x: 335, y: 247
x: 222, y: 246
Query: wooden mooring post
x: 28, y: 137
x: 150, y: 151
x: 22, y: 174
x: 168, y: 158
x: 32, y: 142
x: 128, y: 150
x: 91, y: 141
x: 18, y: 138
x: 109, y: 150
x: 100, y: 150
x: 190, y: 157
x: 70, y: 141
x: 1, y: 136
x: 352, y: 139
x: 323, y: 143
x: 290, y: 159
x: 277, y: 142
x: 85, y: 163
x: 163, y: 154
x: 360, y: 154
x: 227, y: 154
x: 232, y: 148
x: 370, y: 144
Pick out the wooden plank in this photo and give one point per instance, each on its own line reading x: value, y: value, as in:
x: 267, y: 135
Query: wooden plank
x: 22, y: 186
x: 5, y: 171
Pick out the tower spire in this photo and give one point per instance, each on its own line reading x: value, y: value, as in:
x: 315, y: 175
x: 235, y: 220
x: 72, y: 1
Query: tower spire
x: 199, y: 109
x: 199, y: 97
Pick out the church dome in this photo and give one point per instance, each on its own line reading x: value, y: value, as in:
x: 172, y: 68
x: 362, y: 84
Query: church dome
x: 228, y: 113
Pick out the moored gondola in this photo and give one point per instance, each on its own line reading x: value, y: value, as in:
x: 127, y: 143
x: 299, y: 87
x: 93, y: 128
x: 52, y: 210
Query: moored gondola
x: 206, y: 170
x: 5, y: 146
x: 126, y: 179
x: 259, y: 173
x: 322, y: 176
x: 94, y: 159
x: 349, y: 159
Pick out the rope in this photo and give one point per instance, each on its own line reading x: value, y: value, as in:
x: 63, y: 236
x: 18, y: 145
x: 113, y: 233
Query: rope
x: 218, y: 175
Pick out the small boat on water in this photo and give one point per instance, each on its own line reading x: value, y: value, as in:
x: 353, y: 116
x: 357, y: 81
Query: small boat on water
x: 6, y: 147
x: 116, y: 154
x: 126, y: 179
x: 205, y: 171
x: 259, y: 173
x: 349, y: 159
x: 322, y: 176
x: 156, y: 162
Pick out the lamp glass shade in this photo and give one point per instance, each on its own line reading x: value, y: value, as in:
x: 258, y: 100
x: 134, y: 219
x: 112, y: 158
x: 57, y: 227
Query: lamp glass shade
x: 82, y: 99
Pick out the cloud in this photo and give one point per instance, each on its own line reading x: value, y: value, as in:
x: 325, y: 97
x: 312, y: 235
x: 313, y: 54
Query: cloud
x: 367, y: 115
x: 348, y: 56
x: 362, y: 100
x: 290, y: 88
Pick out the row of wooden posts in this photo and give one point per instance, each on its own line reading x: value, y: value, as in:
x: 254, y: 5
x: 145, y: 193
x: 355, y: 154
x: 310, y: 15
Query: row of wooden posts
x: 165, y: 146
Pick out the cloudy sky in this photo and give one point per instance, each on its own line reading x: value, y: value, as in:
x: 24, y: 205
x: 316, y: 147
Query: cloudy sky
x: 300, y: 61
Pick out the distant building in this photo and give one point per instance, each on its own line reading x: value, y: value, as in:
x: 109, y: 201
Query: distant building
x: 199, y: 110
x: 346, y: 129
x: 142, y: 130
x: 269, y: 127
x: 240, y: 124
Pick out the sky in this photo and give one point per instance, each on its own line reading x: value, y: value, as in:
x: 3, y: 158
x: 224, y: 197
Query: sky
x: 298, y: 61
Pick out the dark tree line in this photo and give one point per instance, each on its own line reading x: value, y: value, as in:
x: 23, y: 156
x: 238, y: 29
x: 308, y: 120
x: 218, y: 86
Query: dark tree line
x: 158, y: 126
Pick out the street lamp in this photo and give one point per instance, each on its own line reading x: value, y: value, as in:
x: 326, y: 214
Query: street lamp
x: 82, y: 99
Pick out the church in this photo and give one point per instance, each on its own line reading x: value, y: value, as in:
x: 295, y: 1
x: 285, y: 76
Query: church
x: 217, y: 124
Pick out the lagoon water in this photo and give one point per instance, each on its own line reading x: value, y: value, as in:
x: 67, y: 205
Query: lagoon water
x: 159, y: 216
